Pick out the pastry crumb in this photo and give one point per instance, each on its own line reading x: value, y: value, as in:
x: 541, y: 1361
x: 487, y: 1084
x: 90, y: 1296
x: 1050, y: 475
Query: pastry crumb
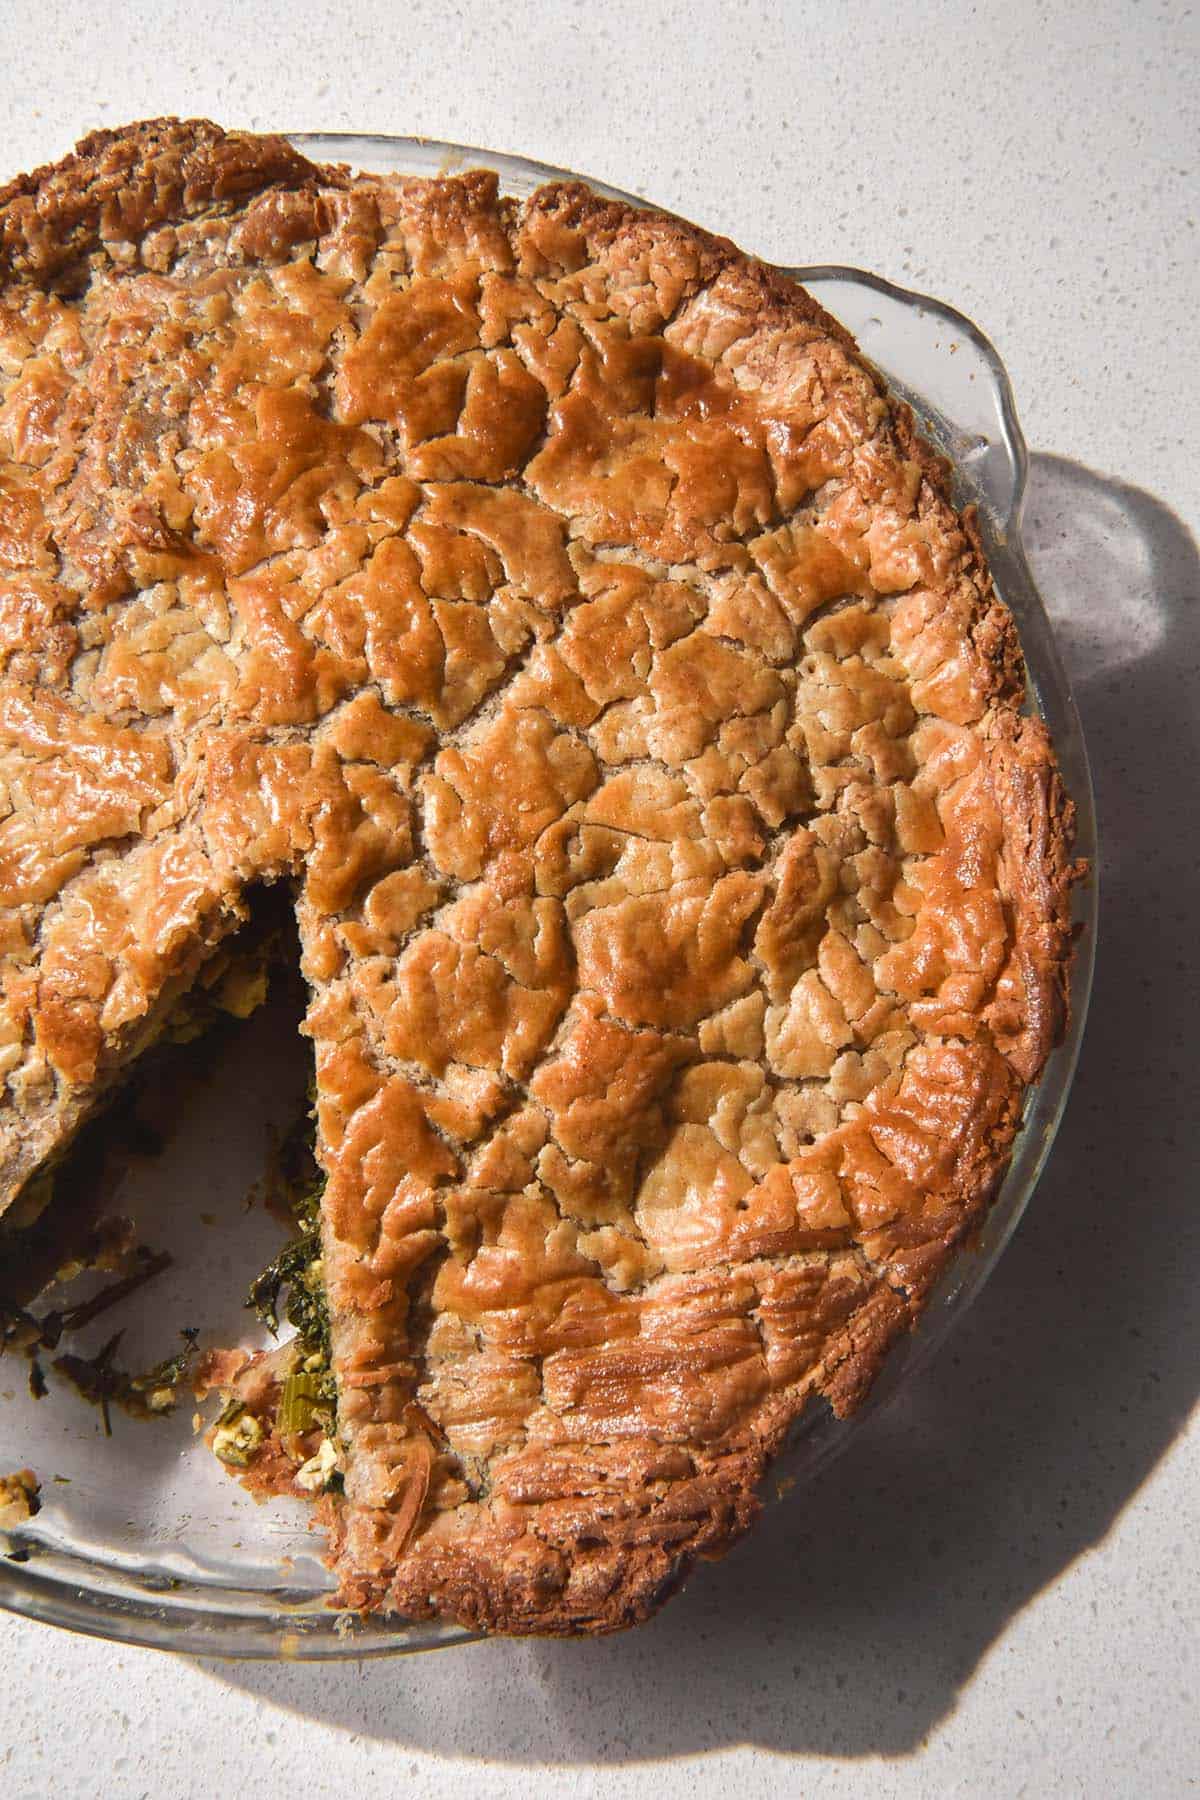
x: 19, y: 1498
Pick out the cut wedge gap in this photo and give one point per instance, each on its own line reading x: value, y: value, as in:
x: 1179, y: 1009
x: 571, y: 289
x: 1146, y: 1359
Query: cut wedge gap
x: 177, y: 1179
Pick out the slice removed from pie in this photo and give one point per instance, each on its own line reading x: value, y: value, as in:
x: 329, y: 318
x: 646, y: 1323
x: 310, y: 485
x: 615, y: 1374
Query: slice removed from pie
x: 551, y: 599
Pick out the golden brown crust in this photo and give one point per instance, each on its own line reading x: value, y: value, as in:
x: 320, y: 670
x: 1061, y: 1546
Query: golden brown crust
x: 121, y: 184
x: 552, y: 595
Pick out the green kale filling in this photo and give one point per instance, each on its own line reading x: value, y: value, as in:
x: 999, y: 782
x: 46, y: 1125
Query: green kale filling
x: 297, y: 1269
x: 101, y: 1381
x: 308, y: 1392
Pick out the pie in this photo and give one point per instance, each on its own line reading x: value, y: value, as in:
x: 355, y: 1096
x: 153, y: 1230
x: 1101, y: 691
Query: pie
x: 552, y: 601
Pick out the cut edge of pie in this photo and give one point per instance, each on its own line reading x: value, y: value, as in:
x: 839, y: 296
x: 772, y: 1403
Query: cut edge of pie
x: 552, y: 595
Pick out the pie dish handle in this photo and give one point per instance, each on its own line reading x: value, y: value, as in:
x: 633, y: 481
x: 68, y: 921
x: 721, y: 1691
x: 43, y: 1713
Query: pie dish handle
x: 951, y: 375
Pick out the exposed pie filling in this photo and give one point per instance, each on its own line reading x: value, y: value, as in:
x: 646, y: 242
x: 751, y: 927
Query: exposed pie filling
x: 549, y: 597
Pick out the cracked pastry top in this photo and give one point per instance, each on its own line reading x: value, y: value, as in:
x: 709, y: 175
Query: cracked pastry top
x: 551, y: 596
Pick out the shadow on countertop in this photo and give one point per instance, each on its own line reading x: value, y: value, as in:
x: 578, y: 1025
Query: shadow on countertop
x: 854, y: 1615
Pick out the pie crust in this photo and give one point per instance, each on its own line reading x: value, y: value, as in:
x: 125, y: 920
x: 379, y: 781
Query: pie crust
x: 550, y: 594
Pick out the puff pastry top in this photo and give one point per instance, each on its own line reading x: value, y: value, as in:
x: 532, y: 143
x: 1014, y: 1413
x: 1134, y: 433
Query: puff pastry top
x: 552, y: 596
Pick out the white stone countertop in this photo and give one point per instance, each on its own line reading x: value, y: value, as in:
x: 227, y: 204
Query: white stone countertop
x: 995, y: 1591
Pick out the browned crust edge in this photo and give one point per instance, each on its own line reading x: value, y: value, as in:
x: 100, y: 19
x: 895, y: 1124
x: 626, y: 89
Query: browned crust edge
x: 120, y: 183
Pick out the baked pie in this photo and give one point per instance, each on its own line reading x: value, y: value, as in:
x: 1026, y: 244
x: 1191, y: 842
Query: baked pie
x: 552, y: 602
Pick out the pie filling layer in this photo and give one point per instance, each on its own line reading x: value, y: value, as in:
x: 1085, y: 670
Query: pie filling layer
x: 549, y: 596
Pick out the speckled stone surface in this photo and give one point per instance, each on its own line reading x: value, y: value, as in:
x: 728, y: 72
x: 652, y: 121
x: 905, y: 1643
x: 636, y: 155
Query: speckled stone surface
x: 996, y: 1589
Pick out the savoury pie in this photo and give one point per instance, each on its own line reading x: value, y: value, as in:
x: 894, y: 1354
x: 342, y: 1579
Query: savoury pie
x: 551, y: 602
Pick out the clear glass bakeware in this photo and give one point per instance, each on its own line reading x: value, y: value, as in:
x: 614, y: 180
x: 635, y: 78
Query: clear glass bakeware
x: 141, y: 1537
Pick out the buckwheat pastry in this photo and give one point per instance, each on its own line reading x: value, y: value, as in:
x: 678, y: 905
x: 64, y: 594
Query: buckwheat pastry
x: 552, y: 600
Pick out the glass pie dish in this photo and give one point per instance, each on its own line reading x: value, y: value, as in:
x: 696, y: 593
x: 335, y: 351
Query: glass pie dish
x: 141, y: 1537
